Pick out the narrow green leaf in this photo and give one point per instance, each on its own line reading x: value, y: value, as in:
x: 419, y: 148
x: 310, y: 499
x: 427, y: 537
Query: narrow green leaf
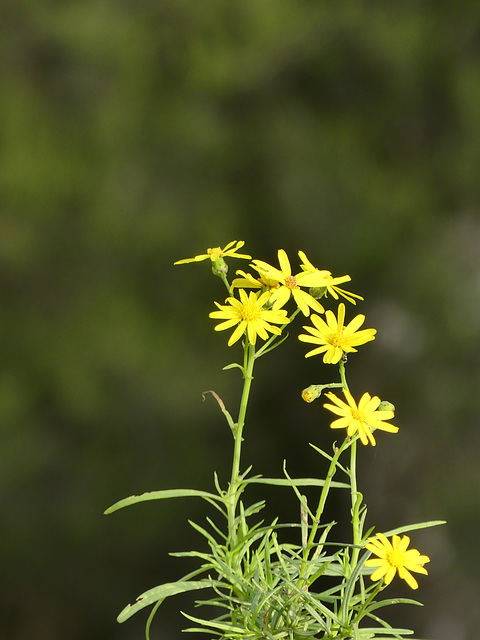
x: 162, y: 495
x: 297, y: 492
x: 412, y: 527
x: 227, y: 415
x: 266, y: 347
x: 203, y: 531
x: 215, y: 528
x: 233, y: 366
x: 329, y: 457
x: 160, y: 593
x: 387, y: 603
x: 298, y: 482
x: 380, y: 631
x: 216, y: 625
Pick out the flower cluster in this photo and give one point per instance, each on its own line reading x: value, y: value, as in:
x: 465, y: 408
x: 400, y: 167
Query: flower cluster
x: 254, y: 314
x: 255, y: 308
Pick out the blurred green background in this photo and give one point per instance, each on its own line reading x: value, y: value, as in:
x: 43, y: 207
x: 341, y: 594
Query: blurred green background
x: 137, y: 133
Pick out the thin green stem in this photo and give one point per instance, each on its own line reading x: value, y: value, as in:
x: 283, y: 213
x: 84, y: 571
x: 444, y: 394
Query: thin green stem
x: 225, y: 282
x: 355, y: 495
x: 343, y: 378
x: 356, y: 503
x: 266, y: 347
x: 326, y: 487
x: 249, y: 359
x: 361, y: 612
x: 321, y: 505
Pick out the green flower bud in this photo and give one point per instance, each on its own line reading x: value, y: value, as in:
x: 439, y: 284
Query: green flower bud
x: 312, y: 392
x: 219, y: 267
x: 317, y: 292
x: 386, y: 406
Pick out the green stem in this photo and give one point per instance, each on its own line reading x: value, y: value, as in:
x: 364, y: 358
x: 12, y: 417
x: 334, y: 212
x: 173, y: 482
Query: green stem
x: 225, y: 282
x: 373, y: 594
x: 326, y: 488
x: 249, y: 359
x: 355, y: 496
x: 342, y: 374
x: 321, y: 505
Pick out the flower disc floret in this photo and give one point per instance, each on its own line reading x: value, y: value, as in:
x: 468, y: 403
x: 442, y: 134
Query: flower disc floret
x: 250, y: 316
x: 217, y: 253
x: 333, y: 337
x: 395, y: 557
x: 362, y: 418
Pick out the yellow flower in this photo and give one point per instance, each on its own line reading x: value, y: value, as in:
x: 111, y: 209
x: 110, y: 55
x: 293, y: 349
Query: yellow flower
x: 334, y: 338
x: 216, y: 253
x: 362, y: 418
x: 250, y: 316
x: 290, y: 285
x: 394, y: 556
x: 329, y: 282
x: 249, y: 281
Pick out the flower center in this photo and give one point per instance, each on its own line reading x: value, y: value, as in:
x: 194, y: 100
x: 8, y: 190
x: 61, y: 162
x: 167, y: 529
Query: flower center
x: 337, y: 340
x: 250, y: 311
x: 358, y: 415
x: 395, y: 559
x: 291, y: 282
x: 215, y: 254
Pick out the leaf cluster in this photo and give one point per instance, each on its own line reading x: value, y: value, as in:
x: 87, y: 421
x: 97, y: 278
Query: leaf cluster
x: 261, y: 587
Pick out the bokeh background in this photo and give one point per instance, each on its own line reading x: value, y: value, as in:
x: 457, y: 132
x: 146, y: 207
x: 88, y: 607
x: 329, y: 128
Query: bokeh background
x: 137, y: 133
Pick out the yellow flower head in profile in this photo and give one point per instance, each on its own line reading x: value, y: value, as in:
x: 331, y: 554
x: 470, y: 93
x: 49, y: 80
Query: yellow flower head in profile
x: 230, y: 251
x: 335, y: 339
x: 250, y: 316
x: 251, y: 282
x: 289, y: 285
x: 395, y: 556
x: 328, y: 281
x: 361, y: 419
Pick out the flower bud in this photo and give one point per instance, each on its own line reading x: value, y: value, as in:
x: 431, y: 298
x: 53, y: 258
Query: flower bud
x: 317, y: 292
x: 312, y: 392
x: 386, y: 406
x: 219, y: 267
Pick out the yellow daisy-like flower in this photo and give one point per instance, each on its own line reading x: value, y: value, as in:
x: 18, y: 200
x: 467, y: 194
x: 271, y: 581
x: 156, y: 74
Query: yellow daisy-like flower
x: 329, y: 282
x: 230, y: 251
x: 250, y: 316
x: 394, y: 556
x: 362, y: 418
x: 289, y: 285
x: 335, y: 339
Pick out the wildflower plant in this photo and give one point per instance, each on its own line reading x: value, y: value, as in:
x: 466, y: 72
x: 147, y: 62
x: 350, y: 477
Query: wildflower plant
x: 257, y: 583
